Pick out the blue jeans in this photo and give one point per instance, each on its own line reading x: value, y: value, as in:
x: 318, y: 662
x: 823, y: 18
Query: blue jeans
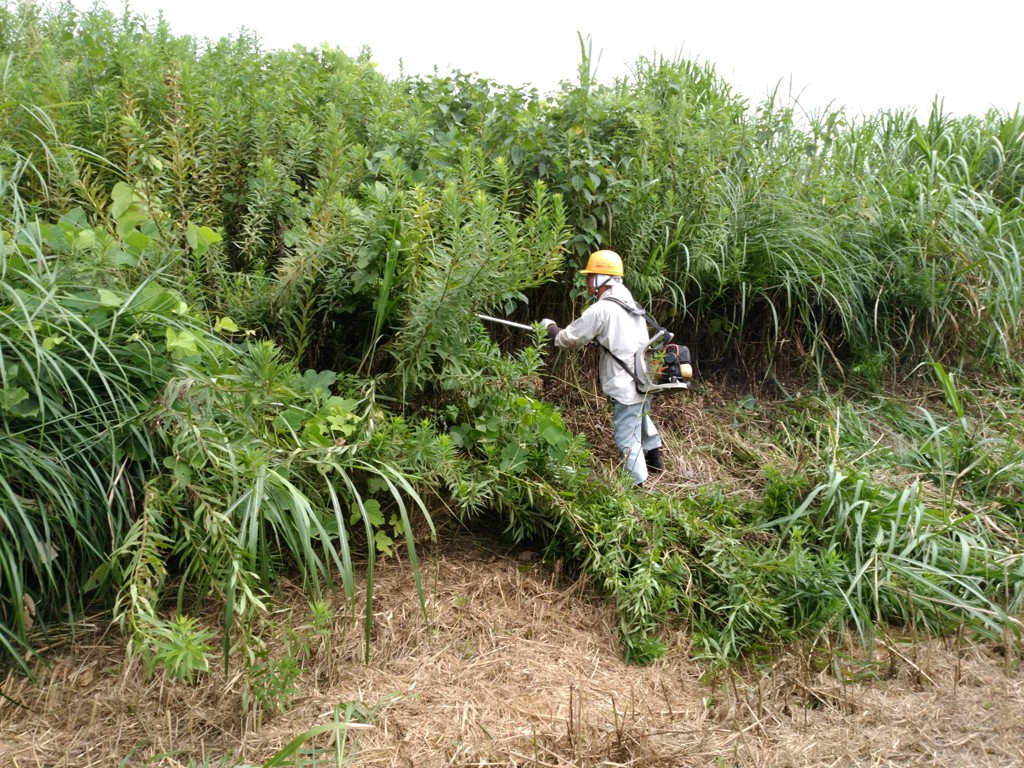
x: 635, y: 433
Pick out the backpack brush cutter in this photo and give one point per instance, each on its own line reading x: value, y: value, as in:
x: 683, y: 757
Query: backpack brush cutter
x: 658, y: 365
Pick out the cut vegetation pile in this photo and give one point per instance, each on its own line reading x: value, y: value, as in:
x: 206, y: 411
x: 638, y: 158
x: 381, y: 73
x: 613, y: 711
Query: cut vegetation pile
x: 518, y: 668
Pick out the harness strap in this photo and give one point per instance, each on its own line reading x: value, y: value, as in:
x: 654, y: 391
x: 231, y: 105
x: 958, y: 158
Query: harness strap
x: 637, y: 311
x: 628, y: 369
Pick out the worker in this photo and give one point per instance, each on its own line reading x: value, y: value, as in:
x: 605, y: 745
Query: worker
x: 609, y: 322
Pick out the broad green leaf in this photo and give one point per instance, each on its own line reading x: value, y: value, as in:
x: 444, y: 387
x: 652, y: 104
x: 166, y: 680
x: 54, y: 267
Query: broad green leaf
x: 181, y: 344
x: 74, y: 220
x: 123, y: 259
x: 98, y: 578
x: 110, y: 298
x: 553, y: 435
x: 136, y: 240
x: 313, y: 381
x: 371, y: 507
x: 84, y: 240
x: 181, y: 470
x: 123, y: 197
x: 225, y: 324
x: 12, y: 396
x: 201, y: 238
x: 291, y: 419
x: 154, y: 298
x: 340, y: 415
x: 56, y: 238
x: 383, y: 542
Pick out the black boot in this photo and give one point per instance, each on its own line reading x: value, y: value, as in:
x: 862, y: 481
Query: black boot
x: 653, y: 458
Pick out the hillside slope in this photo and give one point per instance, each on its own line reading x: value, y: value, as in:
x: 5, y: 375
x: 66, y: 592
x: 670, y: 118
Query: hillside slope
x: 519, y: 666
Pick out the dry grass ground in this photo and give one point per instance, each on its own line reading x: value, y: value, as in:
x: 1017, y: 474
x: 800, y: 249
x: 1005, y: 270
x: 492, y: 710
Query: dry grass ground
x: 519, y: 666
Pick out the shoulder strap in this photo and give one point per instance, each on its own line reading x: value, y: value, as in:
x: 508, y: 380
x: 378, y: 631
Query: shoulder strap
x: 639, y: 311
x: 626, y: 367
x: 636, y: 309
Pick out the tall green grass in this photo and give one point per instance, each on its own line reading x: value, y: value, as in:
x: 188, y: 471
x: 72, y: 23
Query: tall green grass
x: 820, y: 242
x: 158, y: 187
x: 79, y: 364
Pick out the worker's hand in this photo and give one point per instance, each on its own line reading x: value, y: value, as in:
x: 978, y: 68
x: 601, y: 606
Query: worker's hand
x: 550, y: 327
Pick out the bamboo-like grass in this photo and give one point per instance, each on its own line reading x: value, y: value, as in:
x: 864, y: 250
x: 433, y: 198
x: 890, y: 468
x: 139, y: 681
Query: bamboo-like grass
x: 75, y: 384
x: 850, y: 249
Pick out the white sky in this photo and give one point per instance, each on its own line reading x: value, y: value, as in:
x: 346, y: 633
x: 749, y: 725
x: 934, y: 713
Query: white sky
x: 864, y: 56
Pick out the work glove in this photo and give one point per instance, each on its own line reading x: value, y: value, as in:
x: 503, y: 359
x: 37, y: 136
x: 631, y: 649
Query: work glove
x: 552, y: 329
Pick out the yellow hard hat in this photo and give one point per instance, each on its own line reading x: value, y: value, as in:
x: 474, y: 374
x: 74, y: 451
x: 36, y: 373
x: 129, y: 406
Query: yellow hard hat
x: 603, y: 263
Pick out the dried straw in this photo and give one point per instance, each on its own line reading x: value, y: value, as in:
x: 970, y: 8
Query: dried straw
x: 521, y: 667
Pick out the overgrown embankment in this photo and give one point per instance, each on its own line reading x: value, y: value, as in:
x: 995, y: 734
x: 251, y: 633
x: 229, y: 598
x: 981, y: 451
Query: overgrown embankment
x: 239, y: 342
x: 516, y: 668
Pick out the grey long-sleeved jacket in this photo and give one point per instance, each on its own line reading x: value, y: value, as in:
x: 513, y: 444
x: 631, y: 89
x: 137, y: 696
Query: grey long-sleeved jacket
x: 616, y: 329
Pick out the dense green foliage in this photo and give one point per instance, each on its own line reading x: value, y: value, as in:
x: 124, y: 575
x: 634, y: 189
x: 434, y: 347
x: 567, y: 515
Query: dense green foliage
x: 238, y: 337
